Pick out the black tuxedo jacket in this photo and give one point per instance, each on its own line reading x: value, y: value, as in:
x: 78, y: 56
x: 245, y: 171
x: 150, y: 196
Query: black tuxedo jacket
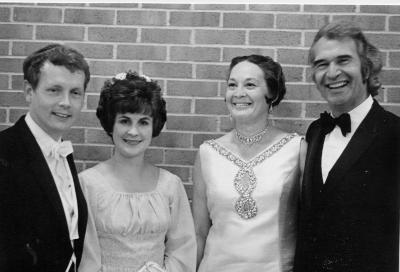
x: 34, y: 233
x: 351, y: 222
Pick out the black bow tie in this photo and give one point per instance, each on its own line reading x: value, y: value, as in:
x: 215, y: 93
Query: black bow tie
x: 329, y: 123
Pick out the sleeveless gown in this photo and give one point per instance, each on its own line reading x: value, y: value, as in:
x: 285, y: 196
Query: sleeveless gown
x: 265, y: 242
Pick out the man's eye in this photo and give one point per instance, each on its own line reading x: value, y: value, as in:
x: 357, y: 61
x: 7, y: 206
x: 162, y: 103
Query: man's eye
x: 77, y: 93
x: 52, y: 90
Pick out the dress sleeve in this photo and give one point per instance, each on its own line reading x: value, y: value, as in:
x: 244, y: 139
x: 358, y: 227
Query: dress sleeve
x: 180, y: 244
x: 91, y: 257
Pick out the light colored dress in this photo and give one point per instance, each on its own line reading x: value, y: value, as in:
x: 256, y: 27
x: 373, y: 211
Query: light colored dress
x: 126, y: 230
x: 268, y: 186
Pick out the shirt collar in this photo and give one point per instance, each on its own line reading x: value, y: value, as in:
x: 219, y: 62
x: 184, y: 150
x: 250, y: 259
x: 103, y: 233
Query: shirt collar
x: 43, y: 139
x: 358, y: 114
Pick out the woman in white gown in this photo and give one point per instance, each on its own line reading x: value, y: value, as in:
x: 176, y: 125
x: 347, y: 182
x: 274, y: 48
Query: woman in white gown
x: 246, y: 183
x: 139, y: 214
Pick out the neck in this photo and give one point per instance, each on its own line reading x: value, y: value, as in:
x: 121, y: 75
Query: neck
x: 127, y: 166
x: 249, y: 129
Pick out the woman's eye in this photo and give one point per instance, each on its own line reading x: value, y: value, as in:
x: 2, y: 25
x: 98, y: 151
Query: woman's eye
x: 250, y: 85
x: 144, y: 122
x: 231, y: 85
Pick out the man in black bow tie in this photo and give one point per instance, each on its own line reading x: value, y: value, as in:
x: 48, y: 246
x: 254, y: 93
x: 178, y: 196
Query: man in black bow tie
x: 43, y: 212
x: 349, y: 208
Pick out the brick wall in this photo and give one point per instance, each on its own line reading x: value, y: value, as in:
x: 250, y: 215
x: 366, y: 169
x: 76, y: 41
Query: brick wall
x: 187, y: 48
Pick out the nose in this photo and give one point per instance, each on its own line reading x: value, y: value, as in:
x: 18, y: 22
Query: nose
x: 65, y: 100
x: 333, y: 70
x: 133, y: 130
x: 239, y: 92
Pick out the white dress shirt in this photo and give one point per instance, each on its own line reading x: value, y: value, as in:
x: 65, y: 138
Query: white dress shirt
x: 335, y: 142
x: 65, y: 188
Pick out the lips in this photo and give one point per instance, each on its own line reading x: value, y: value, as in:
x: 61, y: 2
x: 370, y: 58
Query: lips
x: 337, y: 84
x: 132, y: 141
x: 241, y: 104
x: 61, y: 115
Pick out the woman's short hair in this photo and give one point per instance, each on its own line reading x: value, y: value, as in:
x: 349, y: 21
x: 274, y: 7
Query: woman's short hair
x: 273, y: 75
x: 131, y: 93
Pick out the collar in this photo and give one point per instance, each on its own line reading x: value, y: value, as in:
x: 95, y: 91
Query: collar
x: 358, y: 114
x: 42, y: 138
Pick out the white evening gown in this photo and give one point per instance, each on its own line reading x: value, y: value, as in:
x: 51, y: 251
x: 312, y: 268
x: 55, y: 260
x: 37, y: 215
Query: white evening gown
x: 265, y: 242
x: 126, y: 230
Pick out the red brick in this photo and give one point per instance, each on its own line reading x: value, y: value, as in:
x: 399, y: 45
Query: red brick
x: 220, y: 36
x: 184, y: 53
x: 394, y: 59
x: 292, y: 56
x: 219, y: 7
x: 92, y: 152
x: 393, y: 95
x: 173, y: 70
x: 142, y: 52
x: 330, y: 8
x: 95, y: 84
x: 97, y: 136
x: 174, y: 36
x: 17, y: 81
x: 211, y: 106
x: 302, y: 92
x: 393, y: 109
x: 154, y: 155
x: 5, y: 14
x: 192, y: 123
x: 198, y: 139
x: 274, y: 7
x: 375, y: 22
x: 390, y: 77
x: 209, y: 71
x: 16, y: 32
x: 309, y: 37
x: 111, y: 68
x: 94, y: 50
x: 301, y: 21
x: 192, y: 88
x: 112, y: 34
x: 226, y: 124
x: 12, y: 99
x: 180, y: 157
x: 87, y: 119
x: 3, y: 118
x: 4, y: 48
x: 75, y: 135
x: 313, y: 110
x: 197, y: 19
x: 230, y: 52
x: 165, y: 6
x: 276, y: 38
x: 11, y: 65
x: 178, y: 105
x: 394, y: 23
x: 173, y: 139
x: 114, y: 5
x: 287, y: 109
x: 385, y: 41
x: 391, y: 9
x: 248, y: 20
x: 3, y: 82
x: 142, y: 17
x: 89, y: 16
x: 51, y: 32
x: 61, y: 4
x: 42, y: 15
x: 92, y: 102
x: 293, y: 74
x: 15, y: 114
x: 293, y: 125
x: 26, y: 48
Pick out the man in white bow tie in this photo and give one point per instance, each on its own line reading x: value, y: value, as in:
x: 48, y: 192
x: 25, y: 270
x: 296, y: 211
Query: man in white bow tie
x: 43, y: 213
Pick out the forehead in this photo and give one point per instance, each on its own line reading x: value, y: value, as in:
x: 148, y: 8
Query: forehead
x: 60, y: 75
x: 329, y: 49
x: 246, y: 69
x: 133, y: 116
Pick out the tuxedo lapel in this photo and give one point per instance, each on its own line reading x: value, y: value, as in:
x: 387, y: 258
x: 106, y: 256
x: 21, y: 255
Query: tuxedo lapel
x: 38, y: 166
x: 361, y: 140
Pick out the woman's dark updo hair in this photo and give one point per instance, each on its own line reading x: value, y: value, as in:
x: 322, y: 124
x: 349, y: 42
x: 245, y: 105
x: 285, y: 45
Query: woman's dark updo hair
x: 273, y: 75
x: 131, y: 93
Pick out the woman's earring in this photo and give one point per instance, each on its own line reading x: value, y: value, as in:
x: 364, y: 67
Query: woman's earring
x: 271, y: 108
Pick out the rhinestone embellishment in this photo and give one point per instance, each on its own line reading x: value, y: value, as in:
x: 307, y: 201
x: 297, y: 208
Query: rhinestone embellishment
x: 245, y: 181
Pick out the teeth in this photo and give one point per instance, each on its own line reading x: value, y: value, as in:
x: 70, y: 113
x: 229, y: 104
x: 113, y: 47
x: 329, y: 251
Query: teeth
x: 61, y: 115
x: 336, y: 85
x: 242, y: 104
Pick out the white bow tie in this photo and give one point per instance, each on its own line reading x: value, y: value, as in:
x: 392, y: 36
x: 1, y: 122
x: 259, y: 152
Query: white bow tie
x: 61, y: 149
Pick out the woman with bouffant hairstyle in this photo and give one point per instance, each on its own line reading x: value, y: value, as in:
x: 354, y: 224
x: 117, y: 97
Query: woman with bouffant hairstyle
x: 139, y: 214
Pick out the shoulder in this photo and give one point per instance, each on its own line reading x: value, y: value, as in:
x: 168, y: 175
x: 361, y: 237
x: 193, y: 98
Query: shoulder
x: 91, y: 175
x: 312, y: 130
x: 170, y: 183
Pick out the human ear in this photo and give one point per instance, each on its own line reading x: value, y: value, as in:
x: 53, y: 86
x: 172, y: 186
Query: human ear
x: 28, y: 90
